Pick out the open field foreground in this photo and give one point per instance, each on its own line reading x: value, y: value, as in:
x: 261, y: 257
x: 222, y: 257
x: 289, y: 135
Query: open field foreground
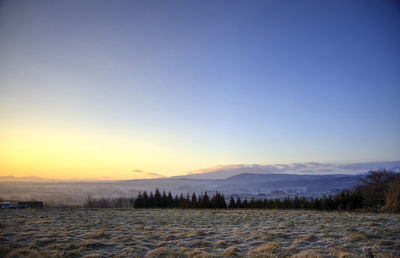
x: 201, y: 233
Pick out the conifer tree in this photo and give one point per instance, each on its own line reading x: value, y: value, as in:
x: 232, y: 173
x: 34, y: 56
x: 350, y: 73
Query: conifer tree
x: 181, y: 201
x: 239, y: 203
x: 139, y: 201
x: 206, y: 201
x: 232, y: 203
x: 252, y: 203
x: 200, y: 202
x: 194, y: 201
x: 170, y: 200
x: 157, y: 198
x: 146, y: 203
x: 176, y: 201
x: 245, y: 204
x: 151, y: 200
x: 164, y: 200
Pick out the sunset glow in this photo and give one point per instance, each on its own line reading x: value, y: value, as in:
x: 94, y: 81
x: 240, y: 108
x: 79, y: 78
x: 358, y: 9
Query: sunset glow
x: 99, y: 92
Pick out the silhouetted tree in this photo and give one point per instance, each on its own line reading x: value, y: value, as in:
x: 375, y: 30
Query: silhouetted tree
x: 146, y: 200
x: 157, y: 199
x: 393, y: 196
x: 170, y: 200
x: 239, y: 203
x: 176, y: 201
x: 194, y: 201
x: 376, y: 186
x: 245, y: 204
x: 218, y: 201
x: 139, y: 201
x: 232, y: 203
x: 164, y: 200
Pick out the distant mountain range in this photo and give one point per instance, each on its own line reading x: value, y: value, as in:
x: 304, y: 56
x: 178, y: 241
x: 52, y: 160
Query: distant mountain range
x: 259, y: 181
x: 305, y: 168
x: 246, y: 185
x: 253, y: 184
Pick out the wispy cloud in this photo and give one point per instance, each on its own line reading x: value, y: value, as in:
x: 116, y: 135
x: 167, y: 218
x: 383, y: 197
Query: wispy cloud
x: 141, y: 174
x: 371, y: 165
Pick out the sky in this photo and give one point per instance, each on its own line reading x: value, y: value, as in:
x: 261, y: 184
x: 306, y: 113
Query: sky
x: 101, y: 89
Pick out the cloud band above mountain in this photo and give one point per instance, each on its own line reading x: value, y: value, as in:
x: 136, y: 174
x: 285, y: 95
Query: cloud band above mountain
x: 224, y: 171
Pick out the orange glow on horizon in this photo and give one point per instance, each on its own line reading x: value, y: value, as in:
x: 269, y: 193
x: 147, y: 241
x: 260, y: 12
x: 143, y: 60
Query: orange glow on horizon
x: 68, y: 154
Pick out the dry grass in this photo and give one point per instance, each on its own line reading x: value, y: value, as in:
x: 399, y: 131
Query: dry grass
x: 197, y: 233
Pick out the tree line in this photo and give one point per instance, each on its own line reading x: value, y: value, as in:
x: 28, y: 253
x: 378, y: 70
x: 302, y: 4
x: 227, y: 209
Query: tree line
x: 378, y: 190
x: 346, y: 200
x: 158, y: 200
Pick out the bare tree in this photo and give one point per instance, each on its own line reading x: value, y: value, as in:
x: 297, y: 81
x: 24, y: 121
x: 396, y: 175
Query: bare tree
x: 89, y: 201
x: 393, y: 196
x: 376, y: 186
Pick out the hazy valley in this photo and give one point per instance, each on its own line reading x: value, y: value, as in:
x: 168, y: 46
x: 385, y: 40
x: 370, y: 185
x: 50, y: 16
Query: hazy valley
x: 245, y: 185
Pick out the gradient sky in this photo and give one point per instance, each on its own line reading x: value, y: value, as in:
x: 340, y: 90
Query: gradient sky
x: 93, y: 89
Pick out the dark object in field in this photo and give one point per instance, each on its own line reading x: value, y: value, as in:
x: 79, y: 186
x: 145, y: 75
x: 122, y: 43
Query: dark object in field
x: 4, y: 205
x: 37, y: 205
x: 7, y: 206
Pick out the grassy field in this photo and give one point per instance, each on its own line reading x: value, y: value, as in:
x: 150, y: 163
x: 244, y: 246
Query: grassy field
x: 201, y: 233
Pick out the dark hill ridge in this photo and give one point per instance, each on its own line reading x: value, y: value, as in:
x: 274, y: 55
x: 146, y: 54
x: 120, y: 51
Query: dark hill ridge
x: 308, y: 185
x: 247, y: 183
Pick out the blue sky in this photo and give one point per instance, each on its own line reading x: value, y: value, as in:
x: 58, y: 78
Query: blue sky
x: 201, y: 83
